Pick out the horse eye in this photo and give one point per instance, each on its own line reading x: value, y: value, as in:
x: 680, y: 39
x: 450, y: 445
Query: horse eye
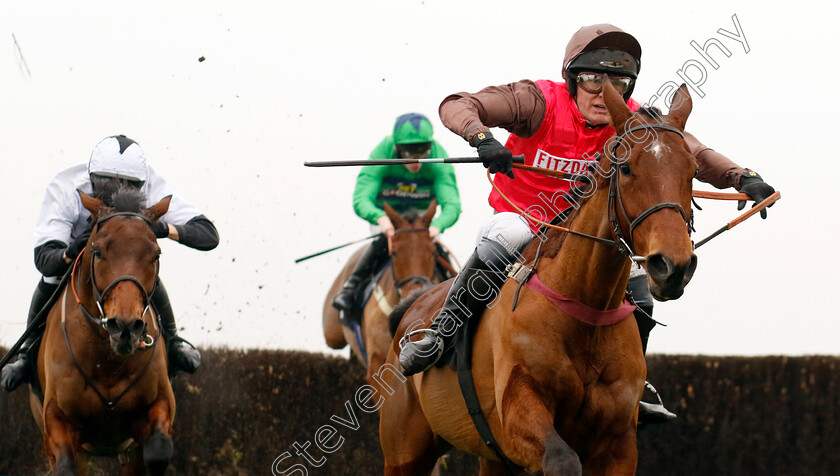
x: 625, y: 169
x: 697, y: 171
x: 157, y: 257
x: 97, y: 253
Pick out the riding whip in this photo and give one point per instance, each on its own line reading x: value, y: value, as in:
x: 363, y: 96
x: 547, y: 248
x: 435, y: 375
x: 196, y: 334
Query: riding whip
x: 517, y: 159
x: 735, y: 196
x: 336, y: 248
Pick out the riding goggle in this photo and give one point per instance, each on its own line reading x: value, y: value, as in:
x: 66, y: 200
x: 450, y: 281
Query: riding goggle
x: 593, y: 83
x: 413, y: 151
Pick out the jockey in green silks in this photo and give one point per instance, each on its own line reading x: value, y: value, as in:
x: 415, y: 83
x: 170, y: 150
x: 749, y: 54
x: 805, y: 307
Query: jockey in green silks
x: 403, y: 187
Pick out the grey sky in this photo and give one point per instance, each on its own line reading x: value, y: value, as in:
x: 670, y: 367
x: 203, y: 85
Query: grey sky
x: 286, y: 82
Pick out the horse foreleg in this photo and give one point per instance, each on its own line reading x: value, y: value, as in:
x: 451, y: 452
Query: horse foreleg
x: 618, y: 457
x: 407, y: 441
x: 61, y: 440
x: 528, y: 426
x: 488, y: 467
x: 157, y: 439
x: 132, y: 464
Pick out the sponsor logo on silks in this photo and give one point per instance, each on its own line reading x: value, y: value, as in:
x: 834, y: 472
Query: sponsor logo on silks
x: 406, y: 192
x: 561, y: 164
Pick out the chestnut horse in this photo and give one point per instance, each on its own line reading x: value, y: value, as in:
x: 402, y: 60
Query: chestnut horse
x: 101, y: 363
x: 559, y: 394
x: 413, y: 264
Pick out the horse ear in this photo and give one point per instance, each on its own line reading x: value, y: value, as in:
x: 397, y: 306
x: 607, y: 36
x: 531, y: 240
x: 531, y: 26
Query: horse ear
x: 430, y: 213
x: 93, y: 205
x: 159, y: 209
x: 680, y: 107
x: 395, y: 217
x: 619, y: 112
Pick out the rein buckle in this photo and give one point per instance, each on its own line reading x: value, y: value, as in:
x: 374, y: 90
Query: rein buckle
x: 519, y: 272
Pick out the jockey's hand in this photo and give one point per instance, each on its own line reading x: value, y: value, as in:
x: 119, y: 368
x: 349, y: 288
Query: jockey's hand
x: 434, y: 232
x: 77, y: 246
x: 386, y: 226
x: 753, y: 185
x: 493, y: 154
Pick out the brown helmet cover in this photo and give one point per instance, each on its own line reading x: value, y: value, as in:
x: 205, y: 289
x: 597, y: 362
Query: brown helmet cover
x: 602, y: 35
x: 593, y: 37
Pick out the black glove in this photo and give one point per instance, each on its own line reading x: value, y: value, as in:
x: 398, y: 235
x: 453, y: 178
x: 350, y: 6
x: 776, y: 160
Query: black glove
x: 756, y: 188
x: 161, y: 229
x: 493, y: 154
x: 77, y: 245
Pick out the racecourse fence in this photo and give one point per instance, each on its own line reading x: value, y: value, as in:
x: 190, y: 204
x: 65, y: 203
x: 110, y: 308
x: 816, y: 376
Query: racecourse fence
x: 260, y: 412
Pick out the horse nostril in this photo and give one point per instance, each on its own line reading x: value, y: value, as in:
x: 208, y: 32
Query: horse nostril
x: 138, y: 326
x: 112, y: 325
x: 659, y: 267
x: 689, y: 269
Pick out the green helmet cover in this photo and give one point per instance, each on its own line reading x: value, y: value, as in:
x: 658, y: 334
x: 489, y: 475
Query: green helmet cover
x: 412, y: 128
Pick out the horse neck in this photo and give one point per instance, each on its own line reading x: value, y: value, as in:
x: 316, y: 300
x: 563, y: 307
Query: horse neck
x: 586, y: 270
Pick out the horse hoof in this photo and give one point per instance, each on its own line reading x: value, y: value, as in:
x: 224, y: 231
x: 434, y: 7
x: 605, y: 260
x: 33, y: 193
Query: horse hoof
x: 157, y: 451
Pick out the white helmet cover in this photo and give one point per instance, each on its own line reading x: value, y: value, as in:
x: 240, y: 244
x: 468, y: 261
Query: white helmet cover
x: 119, y: 156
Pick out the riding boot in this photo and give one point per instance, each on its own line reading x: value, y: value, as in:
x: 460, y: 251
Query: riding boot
x: 476, y: 286
x: 649, y: 413
x: 182, y: 355
x: 371, y: 259
x: 20, y: 371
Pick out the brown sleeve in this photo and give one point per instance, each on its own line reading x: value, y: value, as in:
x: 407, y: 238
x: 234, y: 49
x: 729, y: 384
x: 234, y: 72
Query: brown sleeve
x: 715, y: 168
x: 517, y: 107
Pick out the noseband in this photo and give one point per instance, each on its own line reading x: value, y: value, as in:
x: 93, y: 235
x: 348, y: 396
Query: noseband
x: 625, y: 245
x: 100, y: 296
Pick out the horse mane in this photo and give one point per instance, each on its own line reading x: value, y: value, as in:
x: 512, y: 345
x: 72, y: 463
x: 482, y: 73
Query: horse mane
x: 399, y: 310
x: 555, y: 238
x: 412, y: 214
x: 127, y: 199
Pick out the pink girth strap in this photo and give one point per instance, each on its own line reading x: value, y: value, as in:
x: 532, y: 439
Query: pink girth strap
x: 579, y: 310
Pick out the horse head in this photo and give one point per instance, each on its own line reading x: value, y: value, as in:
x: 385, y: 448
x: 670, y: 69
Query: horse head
x: 412, y: 249
x: 122, y: 255
x: 651, y: 171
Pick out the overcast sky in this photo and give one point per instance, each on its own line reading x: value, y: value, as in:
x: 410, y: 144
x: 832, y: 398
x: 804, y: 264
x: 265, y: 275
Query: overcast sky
x: 288, y: 82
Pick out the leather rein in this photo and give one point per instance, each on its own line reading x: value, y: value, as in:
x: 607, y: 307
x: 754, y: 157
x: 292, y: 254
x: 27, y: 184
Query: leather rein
x: 624, y: 245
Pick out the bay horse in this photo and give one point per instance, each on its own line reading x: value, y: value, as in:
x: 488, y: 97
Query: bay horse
x: 102, y: 363
x: 413, y: 266
x: 559, y: 394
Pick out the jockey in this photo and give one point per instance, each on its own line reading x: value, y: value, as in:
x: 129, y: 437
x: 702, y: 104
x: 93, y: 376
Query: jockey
x: 568, y: 121
x: 412, y: 186
x: 64, y: 227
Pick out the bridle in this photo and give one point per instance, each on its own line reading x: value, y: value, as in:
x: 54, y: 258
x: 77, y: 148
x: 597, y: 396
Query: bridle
x: 102, y: 321
x: 416, y: 278
x: 625, y: 245
x: 100, y: 296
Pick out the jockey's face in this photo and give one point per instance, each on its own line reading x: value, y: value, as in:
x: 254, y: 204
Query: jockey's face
x: 413, y: 168
x: 592, y: 107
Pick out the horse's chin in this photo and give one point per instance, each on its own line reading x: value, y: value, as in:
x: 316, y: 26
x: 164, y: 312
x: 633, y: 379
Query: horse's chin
x: 123, y: 347
x: 666, y: 293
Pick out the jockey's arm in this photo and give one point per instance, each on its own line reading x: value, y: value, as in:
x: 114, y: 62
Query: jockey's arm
x: 198, y: 233
x: 50, y: 260
x: 718, y: 170
x: 517, y: 107
x: 715, y: 168
x: 446, y: 192
x: 364, y: 195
